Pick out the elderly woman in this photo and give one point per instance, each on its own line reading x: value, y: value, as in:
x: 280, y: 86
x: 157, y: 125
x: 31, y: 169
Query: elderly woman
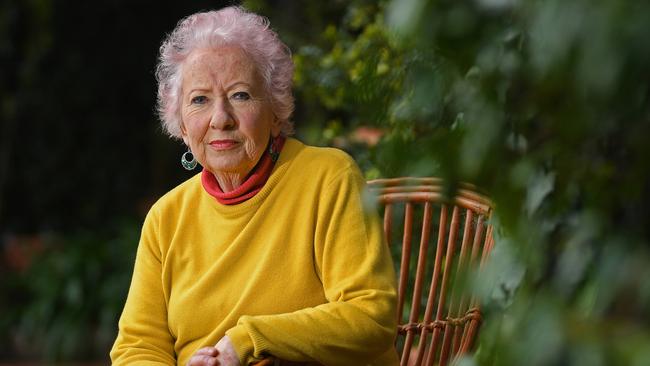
x: 267, y: 251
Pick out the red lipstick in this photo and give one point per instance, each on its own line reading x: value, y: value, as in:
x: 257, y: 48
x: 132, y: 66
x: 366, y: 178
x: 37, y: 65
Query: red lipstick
x: 225, y: 144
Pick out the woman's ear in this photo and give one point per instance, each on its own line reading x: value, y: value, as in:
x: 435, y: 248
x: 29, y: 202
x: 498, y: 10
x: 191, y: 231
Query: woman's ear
x: 276, y: 127
x: 186, y: 139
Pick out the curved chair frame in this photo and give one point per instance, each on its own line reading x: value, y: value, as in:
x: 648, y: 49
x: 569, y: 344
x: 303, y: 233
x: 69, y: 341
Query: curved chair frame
x: 452, y: 315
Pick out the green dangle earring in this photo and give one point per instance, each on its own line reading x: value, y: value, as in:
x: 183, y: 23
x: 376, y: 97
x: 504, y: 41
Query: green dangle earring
x: 187, y: 160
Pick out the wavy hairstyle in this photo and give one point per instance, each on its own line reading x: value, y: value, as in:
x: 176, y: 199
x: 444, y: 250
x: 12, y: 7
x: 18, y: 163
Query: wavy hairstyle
x: 231, y: 26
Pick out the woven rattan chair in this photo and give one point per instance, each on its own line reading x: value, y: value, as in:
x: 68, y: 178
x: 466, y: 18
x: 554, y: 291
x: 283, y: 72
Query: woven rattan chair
x: 431, y: 276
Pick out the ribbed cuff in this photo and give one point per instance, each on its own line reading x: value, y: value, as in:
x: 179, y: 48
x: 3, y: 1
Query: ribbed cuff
x: 250, y: 345
x: 243, y: 344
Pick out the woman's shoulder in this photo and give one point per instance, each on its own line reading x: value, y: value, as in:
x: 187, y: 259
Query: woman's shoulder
x: 322, y: 156
x: 323, y: 163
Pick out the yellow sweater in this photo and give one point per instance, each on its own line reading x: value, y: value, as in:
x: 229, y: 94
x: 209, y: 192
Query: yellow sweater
x: 299, y: 271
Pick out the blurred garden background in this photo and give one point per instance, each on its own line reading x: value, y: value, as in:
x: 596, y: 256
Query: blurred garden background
x: 545, y: 104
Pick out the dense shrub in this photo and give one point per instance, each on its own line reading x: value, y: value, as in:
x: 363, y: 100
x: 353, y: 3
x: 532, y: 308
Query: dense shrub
x: 545, y: 104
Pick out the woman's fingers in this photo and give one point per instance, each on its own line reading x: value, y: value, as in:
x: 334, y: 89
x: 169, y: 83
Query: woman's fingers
x: 207, y: 351
x: 206, y: 356
x: 201, y: 360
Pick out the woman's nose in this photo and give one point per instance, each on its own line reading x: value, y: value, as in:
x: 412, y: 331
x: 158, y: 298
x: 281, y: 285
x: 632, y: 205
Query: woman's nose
x: 222, y: 118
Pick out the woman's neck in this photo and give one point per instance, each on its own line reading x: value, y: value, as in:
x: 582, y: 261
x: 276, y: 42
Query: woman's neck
x: 233, y: 188
x: 229, y: 181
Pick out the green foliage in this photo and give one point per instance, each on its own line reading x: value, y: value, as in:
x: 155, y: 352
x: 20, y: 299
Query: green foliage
x: 545, y: 104
x: 66, y: 304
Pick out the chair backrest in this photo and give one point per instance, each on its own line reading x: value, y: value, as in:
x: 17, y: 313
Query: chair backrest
x: 432, y: 276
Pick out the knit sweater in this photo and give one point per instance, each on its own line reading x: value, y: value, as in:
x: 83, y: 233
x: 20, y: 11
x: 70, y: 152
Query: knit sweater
x: 299, y: 271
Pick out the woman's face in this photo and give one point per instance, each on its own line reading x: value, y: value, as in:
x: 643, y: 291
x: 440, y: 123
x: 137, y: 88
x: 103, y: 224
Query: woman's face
x: 226, y: 117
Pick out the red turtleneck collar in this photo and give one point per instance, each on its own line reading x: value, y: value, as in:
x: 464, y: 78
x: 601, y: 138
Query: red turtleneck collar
x: 255, y: 181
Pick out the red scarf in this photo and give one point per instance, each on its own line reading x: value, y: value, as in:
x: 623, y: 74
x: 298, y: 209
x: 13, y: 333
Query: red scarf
x: 255, y: 181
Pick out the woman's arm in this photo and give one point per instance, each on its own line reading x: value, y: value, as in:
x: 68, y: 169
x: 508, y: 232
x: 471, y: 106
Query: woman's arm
x: 358, y: 323
x: 144, y: 335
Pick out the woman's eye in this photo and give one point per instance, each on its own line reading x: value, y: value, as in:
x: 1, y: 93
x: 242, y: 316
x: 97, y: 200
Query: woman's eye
x: 200, y: 99
x: 241, y: 96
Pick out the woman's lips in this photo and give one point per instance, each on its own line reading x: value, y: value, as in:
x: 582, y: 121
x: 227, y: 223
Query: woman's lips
x: 223, y: 144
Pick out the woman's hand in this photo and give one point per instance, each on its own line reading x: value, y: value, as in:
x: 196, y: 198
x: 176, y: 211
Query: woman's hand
x: 227, y: 354
x: 223, y: 354
x: 206, y: 356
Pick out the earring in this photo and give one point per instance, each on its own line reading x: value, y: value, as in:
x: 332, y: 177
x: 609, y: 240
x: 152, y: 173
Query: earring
x: 273, y: 148
x: 187, y: 160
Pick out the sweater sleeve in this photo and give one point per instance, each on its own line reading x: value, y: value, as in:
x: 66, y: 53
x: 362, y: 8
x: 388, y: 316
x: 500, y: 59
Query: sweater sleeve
x: 358, y: 322
x: 144, y: 337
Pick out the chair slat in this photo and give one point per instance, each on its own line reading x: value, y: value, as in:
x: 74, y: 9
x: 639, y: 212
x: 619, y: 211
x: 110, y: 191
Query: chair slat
x: 478, y: 234
x: 451, y: 243
x: 452, y: 317
x: 419, y: 277
x: 388, y: 222
x: 406, y: 257
x: 455, y: 311
x: 473, y: 327
x: 430, y: 308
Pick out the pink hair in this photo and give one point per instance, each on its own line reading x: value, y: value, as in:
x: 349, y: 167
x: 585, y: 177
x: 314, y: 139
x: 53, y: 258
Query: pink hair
x: 231, y: 26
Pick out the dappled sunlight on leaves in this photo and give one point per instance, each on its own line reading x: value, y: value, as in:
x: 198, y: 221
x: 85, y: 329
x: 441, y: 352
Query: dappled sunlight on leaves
x: 542, y: 104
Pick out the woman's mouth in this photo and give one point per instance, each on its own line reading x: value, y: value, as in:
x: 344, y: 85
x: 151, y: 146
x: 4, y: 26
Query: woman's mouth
x: 225, y: 144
